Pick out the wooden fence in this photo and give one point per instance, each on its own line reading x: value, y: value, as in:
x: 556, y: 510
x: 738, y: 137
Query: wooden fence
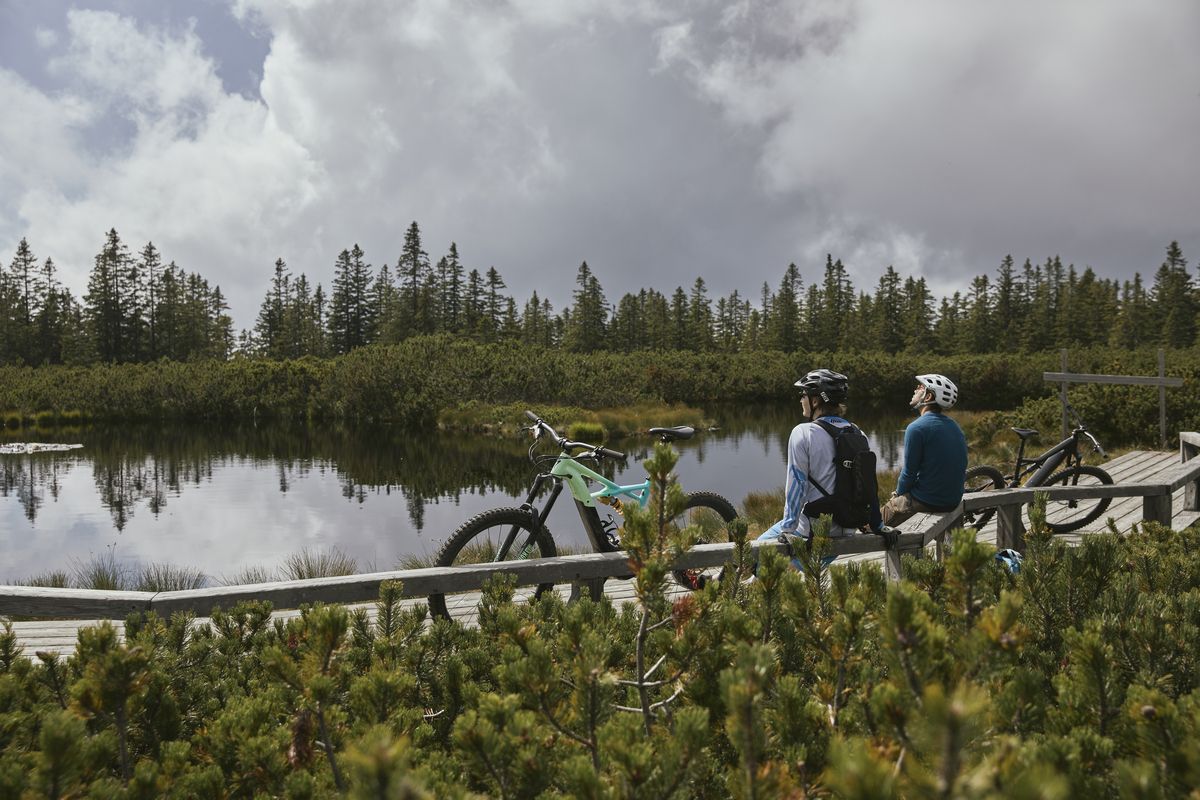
x: 27, y: 601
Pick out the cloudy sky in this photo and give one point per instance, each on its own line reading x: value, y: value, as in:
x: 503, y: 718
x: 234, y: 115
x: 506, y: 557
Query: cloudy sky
x: 658, y: 140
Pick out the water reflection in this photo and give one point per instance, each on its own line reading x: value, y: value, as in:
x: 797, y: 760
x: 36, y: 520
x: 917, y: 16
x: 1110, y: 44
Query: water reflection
x: 220, y: 498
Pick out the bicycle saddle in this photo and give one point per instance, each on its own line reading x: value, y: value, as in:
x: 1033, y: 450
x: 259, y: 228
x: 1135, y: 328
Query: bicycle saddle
x: 670, y: 434
x: 1024, y: 433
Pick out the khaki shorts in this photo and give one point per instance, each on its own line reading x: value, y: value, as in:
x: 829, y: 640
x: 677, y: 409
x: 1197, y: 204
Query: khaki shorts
x: 901, y: 507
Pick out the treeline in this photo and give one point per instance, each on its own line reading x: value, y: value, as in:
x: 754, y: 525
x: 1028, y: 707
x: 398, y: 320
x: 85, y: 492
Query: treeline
x: 136, y: 309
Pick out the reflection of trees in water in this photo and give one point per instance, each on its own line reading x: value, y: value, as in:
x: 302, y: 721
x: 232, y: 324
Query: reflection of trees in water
x: 30, y: 477
x: 136, y: 466
x: 772, y: 425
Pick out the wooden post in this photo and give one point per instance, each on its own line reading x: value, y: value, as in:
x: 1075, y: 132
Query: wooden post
x: 1162, y: 400
x: 1189, y: 449
x: 1010, y: 531
x: 1157, y: 508
x: 1062, y: 395
x: 891, y: 563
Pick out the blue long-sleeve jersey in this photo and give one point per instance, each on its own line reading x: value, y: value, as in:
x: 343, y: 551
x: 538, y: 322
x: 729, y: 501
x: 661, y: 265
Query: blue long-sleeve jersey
x: 935, y: 461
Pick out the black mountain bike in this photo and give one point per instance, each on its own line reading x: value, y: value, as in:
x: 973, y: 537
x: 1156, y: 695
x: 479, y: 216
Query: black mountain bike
x: 509, y: 534
x: 1062, y: 515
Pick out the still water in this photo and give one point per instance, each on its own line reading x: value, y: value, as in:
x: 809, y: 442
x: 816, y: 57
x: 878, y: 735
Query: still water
x: 221, y: 499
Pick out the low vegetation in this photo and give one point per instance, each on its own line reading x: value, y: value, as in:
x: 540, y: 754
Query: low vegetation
x: 1077, y: 676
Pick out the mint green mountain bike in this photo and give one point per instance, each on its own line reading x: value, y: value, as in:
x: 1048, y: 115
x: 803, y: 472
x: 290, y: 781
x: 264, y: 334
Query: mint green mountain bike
x: 509, y: 534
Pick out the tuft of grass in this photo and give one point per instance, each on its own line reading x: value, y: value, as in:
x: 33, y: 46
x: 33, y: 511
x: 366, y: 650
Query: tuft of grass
x: 316, y: 563
x: 103, y: 572
x: 52, y: 579
x: 509, y: 418
x: 251, y: 574
x: 590, y: 432
x: 628, y: 420
x: 169, y: 578
x: 415, y: 561
x: 887, y: 484
x: 762, y: 510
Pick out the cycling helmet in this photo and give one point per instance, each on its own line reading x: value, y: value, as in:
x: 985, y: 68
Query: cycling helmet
x: 1009, y: 559
x: 832, y: 387
x: 945, y: 393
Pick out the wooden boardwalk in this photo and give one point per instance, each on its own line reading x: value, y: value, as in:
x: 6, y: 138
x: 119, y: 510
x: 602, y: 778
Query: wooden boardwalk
x: 1138, y: 467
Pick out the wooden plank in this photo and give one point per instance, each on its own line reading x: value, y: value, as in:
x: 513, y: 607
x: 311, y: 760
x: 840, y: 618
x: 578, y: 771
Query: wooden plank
x: 36, y: 601
x: 1116, y: 465
x: 1128, y: 470
x: 1124, y: 380
x: 1189, y: 448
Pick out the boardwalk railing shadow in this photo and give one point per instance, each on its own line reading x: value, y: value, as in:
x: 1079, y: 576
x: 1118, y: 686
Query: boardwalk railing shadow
x: 38, y: 602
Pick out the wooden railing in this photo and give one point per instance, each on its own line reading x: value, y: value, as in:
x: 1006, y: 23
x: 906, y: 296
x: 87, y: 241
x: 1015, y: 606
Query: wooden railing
x: 27, y: 601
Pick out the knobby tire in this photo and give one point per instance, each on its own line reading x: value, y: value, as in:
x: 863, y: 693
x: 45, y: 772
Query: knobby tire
x: 1071, y: 477
x: 500, y: 521
x: 713, y: 532
x: 981, y: 478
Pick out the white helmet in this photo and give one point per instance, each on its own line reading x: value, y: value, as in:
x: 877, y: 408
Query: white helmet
x: 945, y: 393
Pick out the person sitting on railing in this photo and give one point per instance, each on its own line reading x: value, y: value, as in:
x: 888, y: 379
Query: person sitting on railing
x: 812, y: 487
x: 935, y: 454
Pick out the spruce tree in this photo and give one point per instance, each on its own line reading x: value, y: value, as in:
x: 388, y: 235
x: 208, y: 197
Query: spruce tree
x: 888, y: 317
x: 494, y: 305
x: 700, y: 325
x: 106, y: 298
x: 269, y: 330
x: 784, y: 322
x: 351, y: 314
x: 412, y: 269
x: 1174, y: 300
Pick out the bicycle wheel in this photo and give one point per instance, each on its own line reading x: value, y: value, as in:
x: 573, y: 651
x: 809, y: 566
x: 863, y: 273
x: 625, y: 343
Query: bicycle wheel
x: 711, y: 514
x: 1064, y: 516
x: 478, y: 540
x: 981, y: 479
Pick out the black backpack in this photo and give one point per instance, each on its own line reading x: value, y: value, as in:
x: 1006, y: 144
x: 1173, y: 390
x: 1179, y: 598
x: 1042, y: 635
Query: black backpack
x: 855, y: 491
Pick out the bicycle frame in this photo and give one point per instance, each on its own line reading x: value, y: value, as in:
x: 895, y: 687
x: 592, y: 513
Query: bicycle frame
x: 567, y: 470
x: 1046, y: 463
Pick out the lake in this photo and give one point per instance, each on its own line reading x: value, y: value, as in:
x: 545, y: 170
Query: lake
x: 222, y: 499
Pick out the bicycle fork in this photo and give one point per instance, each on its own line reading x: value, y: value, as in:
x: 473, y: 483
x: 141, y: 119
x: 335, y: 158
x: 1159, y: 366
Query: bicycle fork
x: 539, y: 520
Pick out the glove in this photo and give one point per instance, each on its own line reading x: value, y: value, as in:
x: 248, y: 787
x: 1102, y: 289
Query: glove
x: 889, y: 535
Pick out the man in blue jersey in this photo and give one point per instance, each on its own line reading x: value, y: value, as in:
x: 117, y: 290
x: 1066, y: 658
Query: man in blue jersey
x: 935, y: 454
x: 810, y: 458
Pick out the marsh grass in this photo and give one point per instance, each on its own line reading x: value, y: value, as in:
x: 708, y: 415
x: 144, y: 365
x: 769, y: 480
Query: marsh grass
x: 591, y: 432
x: 762, y: 510
x: 53, y: 579
x: 252, y: 574
x: 594, y: 425
x: 317, y: 563
x: 104, y: 572
x: 169, y: 578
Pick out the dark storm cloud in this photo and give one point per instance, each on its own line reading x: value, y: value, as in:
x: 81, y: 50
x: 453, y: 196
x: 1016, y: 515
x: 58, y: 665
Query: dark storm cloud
x: 658, y: 141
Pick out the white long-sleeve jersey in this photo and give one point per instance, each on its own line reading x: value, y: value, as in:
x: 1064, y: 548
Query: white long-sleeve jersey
x: 810, y: 454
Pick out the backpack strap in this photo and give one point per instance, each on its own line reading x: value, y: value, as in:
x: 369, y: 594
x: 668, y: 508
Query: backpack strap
x: 834, y: 432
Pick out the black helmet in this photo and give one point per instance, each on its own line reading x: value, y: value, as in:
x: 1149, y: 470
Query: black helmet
x: 830, y: 386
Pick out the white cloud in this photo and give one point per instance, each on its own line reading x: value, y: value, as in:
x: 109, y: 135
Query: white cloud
x: 657, y: 140
x: 977, y: 125
x: 45, y: 37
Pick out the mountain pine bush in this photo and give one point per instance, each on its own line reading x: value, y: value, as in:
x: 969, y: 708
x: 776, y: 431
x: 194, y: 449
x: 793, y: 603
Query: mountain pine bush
x: 1076, y: 677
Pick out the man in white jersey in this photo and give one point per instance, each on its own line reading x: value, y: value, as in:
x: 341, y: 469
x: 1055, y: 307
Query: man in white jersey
x: 810, y: 460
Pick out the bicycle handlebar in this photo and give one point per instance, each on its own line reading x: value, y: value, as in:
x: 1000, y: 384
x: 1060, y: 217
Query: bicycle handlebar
x: 566, y: 445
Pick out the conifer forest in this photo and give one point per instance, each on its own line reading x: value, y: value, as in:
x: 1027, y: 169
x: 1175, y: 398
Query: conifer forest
x: 137, y: 309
